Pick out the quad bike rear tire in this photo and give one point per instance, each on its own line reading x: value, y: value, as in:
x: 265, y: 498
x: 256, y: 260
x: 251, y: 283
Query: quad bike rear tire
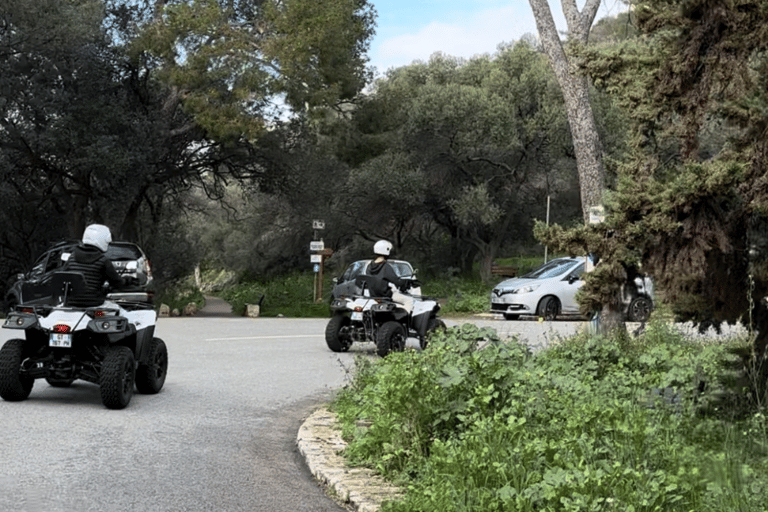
x: 150, y: 376
x: 335, y: 340
x: 117, y: 378
x: 434, y: 325
x: 14, y: 387
x: 390, y: 338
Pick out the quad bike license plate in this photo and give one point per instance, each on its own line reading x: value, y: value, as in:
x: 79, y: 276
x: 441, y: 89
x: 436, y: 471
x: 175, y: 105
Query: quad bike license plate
x: 357, y: 315
x: 60, y: 340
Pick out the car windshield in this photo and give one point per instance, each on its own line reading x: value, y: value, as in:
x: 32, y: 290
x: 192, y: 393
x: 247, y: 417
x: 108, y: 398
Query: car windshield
x: 123, y: 252
x: 402, y: 269
x: 553, y: 268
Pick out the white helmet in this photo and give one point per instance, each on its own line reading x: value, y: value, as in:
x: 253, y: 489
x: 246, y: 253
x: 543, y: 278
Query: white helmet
x: 382, y: 248
x: 98, y: 236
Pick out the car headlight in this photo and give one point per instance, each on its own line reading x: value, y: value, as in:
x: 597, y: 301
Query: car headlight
x: 526, y: 289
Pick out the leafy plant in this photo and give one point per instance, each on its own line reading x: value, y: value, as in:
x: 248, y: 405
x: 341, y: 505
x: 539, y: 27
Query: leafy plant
x: 588, y: 424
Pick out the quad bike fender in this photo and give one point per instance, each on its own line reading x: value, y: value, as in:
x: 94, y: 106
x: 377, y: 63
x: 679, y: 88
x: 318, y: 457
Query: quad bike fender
x: 420, y: 321
x: 143, y: 340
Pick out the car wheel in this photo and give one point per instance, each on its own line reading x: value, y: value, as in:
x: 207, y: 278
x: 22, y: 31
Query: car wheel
x: 14, y: 387
x: 117, y: 378
x: 549, y: 308
x: 508, y: 316
x: 639, y: 309
x: 150, y: 377
x: 390, y: 338
x: 434, y: 325
x: 59, y: 383
x: 337, y: 340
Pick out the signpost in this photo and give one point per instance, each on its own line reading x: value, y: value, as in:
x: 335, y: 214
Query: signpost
x: 318, y: 258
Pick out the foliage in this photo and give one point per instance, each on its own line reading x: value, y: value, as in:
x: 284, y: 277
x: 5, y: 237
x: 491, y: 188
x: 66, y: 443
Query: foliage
x: 291, y: 296
x: 471, y: 150
x: 178, y: 294
x: 688, y: 205
x: 591, y: 424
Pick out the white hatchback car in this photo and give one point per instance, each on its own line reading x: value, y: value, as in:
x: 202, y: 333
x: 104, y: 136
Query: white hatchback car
x: 550, y: 291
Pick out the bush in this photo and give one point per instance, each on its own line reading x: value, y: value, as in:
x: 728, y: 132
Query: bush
x: 291, y: 296
x: 179, y: 294
x: 591, y: 424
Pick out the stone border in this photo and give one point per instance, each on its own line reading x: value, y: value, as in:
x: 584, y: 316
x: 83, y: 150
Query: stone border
x: 320, y: 442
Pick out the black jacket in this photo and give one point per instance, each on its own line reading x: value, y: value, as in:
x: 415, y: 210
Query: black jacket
x: 383, y: 274
x: 96, y: 268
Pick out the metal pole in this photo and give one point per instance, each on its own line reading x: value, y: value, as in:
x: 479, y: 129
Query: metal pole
x: 545, y: 247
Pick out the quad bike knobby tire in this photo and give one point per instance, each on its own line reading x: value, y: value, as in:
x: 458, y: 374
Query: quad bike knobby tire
x: 150, y: 377
x: 390, y: 338
x: 337, y: 341
x: 434, y: 325
x: 117, y: 378
x: 13, y: 386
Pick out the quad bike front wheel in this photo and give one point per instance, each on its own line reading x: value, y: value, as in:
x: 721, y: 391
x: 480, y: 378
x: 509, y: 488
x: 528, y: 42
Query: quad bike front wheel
x: 334, y: 338
x: 117, y: 378
x: 390, y: 338
x: 14, y: 386
x: 150, y: 376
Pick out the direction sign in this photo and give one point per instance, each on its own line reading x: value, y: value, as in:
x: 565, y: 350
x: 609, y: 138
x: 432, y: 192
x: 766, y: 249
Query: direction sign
x: 315, y: 258
x: 316, y: 246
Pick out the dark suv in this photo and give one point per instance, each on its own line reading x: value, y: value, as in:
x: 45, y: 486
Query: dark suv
x: 33, y: 287
x: 345, y: 285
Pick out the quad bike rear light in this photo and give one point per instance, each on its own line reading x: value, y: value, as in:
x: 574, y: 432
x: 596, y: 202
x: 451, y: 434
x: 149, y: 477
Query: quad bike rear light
x: 108, y: 324
x: 62, y: 328
x: 18, y: 320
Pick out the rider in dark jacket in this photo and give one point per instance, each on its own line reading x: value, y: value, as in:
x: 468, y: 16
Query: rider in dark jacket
x: 387, y: 283
x: 90, y: 259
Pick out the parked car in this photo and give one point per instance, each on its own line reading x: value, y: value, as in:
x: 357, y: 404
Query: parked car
x: 32, y: 287
x: 344, y: 286
x: 550, y: 290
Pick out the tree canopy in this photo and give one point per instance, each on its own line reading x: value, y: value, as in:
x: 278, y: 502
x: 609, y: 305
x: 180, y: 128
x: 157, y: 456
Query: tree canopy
x: 689, y: 206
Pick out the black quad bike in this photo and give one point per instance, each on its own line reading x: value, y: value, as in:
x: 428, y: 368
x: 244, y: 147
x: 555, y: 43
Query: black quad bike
x: 380, y: 320
x: 112, y: 345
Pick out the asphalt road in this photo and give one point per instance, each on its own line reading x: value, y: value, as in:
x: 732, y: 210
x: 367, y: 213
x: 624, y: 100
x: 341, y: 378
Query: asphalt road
x: 220, y: 436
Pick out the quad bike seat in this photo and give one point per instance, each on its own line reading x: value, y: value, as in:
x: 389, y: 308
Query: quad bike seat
x: 65, y: 284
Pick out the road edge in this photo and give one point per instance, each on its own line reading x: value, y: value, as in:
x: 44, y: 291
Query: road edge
x: 320, y: 443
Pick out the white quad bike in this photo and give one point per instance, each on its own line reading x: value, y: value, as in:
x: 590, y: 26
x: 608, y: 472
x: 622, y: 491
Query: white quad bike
x: 362, y: 318
x: 112, y: 345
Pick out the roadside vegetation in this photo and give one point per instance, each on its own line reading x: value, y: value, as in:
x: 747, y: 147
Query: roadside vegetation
x: 292, y: 294
x: 655, y: 422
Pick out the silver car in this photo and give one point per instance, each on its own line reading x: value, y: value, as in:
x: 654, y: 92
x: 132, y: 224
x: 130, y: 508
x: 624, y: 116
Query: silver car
x: 550, y: 291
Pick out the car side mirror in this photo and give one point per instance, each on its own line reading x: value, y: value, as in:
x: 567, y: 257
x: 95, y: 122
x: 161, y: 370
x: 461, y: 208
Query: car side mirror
x: 335, y: 280
x: 573, y: 279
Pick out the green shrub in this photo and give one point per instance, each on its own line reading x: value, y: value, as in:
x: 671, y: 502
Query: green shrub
x: 590, y: 424
x: 291, y: 296
x: 179, y: 294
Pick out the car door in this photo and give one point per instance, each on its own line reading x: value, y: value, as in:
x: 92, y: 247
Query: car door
x: 570, y: 284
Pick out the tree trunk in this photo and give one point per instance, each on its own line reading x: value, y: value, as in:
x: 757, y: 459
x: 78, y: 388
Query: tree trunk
x: 586, y: 141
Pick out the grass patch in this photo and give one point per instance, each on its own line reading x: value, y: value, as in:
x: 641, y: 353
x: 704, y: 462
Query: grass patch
x: 658, y: 422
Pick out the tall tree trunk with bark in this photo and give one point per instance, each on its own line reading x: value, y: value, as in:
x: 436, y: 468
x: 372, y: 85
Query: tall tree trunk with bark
x: 586, y: 140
